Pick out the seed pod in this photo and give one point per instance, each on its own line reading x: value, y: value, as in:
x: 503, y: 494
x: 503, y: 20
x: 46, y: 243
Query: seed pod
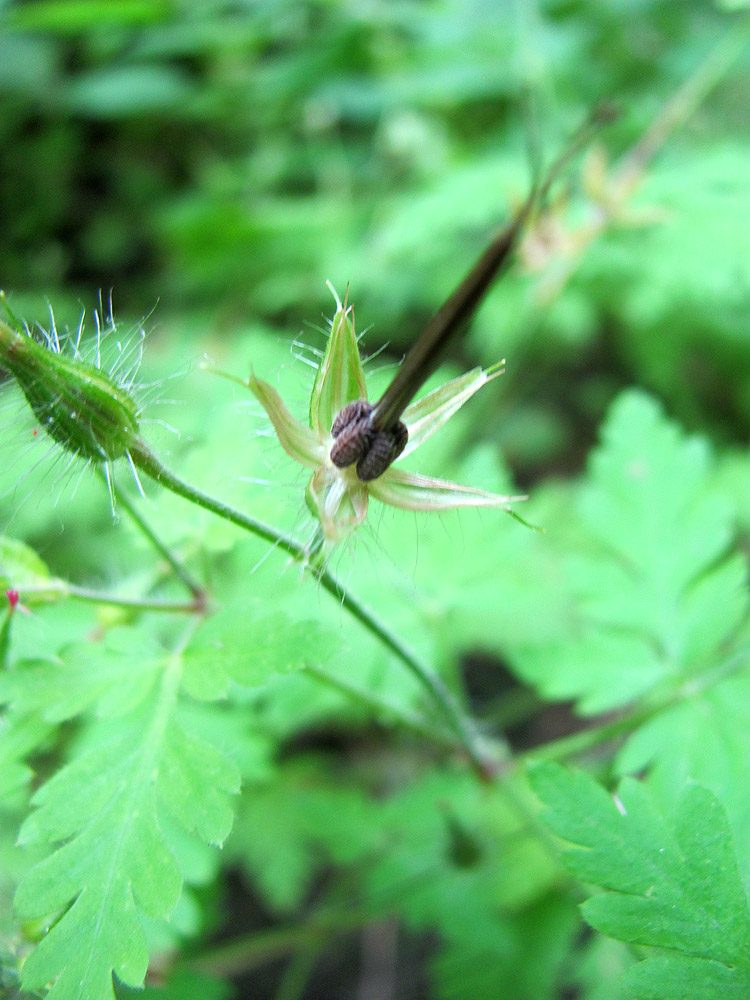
x: 77, y: 404
x: 352, y: 433
x: 357, y: 441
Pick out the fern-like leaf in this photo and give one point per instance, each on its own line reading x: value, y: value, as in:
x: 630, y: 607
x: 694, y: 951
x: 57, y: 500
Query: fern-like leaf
x: 115, y: 860
x: 671, y: 882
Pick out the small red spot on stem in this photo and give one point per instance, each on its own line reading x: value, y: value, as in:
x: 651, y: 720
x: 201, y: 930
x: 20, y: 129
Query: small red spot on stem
x: 12, y: 596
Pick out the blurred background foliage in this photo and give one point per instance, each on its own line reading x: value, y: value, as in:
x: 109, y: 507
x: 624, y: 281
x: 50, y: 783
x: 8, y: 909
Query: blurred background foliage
x: 214, y: 162
x: 225, y: 157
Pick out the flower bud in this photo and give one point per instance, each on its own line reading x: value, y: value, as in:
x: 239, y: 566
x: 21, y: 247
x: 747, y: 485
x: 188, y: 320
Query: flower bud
x: 77, y: 404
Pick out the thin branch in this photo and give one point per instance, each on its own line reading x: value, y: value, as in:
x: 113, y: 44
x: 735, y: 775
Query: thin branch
x: 485, y: 765
x: 138, y: 603
x: 178, y: 567
x: 378, y: 706
x: 255, y: 949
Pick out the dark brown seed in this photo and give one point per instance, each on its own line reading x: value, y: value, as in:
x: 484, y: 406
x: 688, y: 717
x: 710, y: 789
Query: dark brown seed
x: 353, y: 433
x: 385, y: 448
x: 352, y: 443
x: 358, y: 410
x: 357, y: 441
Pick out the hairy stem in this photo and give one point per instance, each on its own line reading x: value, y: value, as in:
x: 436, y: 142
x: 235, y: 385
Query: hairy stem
x: 380, y: 707
x: 144, y: 459
x: 137, y: 603
x: 178, y: 567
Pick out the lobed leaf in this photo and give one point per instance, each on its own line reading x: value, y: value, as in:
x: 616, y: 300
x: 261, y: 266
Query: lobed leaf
x: 112, y: 676
x: 235, y: 644
x: 653, y: 601
x: 115, y: 861
x: 671, y: 881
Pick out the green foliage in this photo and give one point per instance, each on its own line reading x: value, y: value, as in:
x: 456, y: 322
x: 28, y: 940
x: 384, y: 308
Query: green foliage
x: 238, y: 154
x: 115, y: 860
x: 22, y: 568
x: 634, y: 600
x: 221, y: 758
x: 657, y: 596
x: 672, y: 881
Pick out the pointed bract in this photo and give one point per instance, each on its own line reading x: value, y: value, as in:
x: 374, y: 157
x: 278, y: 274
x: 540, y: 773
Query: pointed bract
x: 410, y: 491
x: 341, y: 377
x: 336, y: 497
x: 295, y: 438
x: 429, y: 414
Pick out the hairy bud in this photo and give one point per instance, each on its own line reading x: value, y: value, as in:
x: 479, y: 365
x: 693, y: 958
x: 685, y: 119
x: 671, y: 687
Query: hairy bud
x: 77, y: 404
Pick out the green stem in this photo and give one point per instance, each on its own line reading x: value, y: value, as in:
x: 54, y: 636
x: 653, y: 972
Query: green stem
x: 569, y: 746
x: 252, y: 950
x: 485, y: 765
x: 145, y: 460
x: 148, y: 463
x: 377, y: 706
x: 586, y: 739
x: 139, y: 603
x: 180, y: 570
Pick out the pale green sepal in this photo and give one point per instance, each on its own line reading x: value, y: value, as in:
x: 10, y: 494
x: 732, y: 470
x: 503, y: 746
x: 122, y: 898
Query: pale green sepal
x: 429, y: 414
x: 341, y: 377
x: 296, y: 439
x: 410, y: 491
x: 338, y: 500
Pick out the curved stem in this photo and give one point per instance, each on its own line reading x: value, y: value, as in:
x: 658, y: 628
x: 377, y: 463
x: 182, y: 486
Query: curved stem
x: 241, y: 954
x: 463, y: 728
x: 145, y: 460
x: 379, y: 707
x: 179, y: 569
x: 139, y: 603
x: 628, y: 721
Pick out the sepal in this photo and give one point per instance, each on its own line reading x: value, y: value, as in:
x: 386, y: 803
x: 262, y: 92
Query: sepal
x: 341, y: 377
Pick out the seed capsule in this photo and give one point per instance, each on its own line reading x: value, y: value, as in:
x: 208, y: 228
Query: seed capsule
x: 356, y: 440
x: 77, y: 404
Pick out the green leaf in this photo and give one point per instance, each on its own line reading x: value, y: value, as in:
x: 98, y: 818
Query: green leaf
x: 114, y: 676
x: 121, y: 91
x: 182, y: 984
x: 250, y: 650
x: 21, y: 569
x: 20, y: 735
x: 671, y: 882
x: 519, y: 957
x: 601, y: 968
x: 489, y: 903
x: 79, y: 15
x: 653, y: 600
x: 115, y: 861
x: 287, y: 827
x: 704, y: 737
